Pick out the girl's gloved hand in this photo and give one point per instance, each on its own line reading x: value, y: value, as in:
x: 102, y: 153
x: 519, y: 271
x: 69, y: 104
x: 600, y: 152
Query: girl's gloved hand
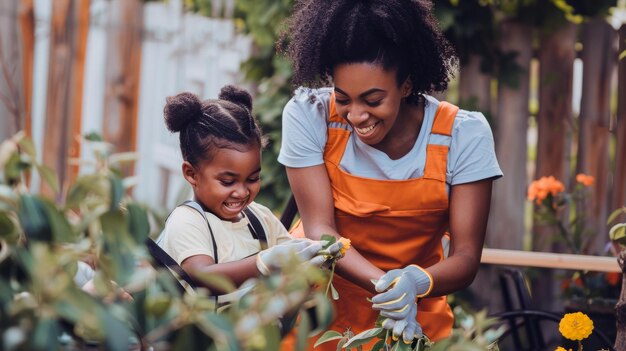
x: 405, y: 286
x: 275, y: 257
x: 408, y: 327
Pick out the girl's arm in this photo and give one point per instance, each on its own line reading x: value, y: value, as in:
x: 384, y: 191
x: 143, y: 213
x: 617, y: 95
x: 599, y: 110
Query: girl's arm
x: 469, y: 211
x: 237, y: 271
x: 311, y: 188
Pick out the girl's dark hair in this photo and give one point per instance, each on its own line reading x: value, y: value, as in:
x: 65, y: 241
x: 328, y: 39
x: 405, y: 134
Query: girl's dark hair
x: 400, y: 34
x: 206, y: 125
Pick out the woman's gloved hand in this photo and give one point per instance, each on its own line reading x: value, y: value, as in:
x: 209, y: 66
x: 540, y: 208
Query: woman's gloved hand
x: 275, y: 257
x: 408, y: 327
x: 405, y: 286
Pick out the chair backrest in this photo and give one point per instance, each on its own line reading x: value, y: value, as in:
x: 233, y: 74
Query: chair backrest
x: 289, y: 213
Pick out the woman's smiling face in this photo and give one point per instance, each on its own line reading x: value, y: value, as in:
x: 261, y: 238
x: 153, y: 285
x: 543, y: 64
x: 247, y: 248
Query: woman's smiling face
x: 369, y: 98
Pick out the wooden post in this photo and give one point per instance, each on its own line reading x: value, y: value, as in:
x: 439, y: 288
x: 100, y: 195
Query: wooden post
x: 619, y: 176
x: 506, y: 223
x: 556, y: 71
x: 27, y: 27
x: 598, y: 55
x: 123, y: 74
x: 69, y: 25
x: 474, y: 85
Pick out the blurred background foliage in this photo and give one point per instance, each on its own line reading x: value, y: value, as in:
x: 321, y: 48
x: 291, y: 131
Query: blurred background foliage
x: 470, y: 25
x: 45, y: 245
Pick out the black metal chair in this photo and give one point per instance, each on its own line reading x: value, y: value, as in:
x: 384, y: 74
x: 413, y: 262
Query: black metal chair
x: 528, y: 328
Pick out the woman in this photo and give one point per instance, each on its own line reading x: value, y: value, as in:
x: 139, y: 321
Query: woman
x: 376, y: 160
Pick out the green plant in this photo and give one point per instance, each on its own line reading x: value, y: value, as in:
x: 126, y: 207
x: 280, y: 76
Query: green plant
x: 562, y: 215
x: 42, y: 241
x: 472, y: 332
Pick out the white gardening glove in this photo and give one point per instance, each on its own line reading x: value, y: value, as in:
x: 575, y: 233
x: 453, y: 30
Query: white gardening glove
x: 408, y: 327
x: 275, y: 257
x: 399, y: 302
x: 405, y: 286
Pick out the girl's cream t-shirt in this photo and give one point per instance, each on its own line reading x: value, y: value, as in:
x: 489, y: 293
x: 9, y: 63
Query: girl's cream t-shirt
x: 186, y: 234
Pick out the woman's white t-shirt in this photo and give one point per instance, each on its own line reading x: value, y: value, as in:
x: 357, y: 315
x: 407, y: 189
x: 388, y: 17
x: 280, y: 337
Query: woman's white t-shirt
x: 471, y: 156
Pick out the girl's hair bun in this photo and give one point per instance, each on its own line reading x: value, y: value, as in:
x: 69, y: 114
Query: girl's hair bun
x: 180, y: 110
x: 236, y: 95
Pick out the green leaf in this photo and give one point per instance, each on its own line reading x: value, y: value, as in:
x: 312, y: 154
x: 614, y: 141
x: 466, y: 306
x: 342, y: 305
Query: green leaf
x: 615, y: 214
x: 220, y: 330
x: 14, y: 168
x: 329, y: 335
x: 157, y: 304
x: 123, y: 157
x: 304, y: 327
x: 117, y: 333
x: 330, y: 239
x: 8, y: 230
x: 618, y: 233
x: 334, y: 292
x: 48, y: 175
x: 138, y: 224
x: 27, y: 146
x: 216, y: 281
x: 362, y: 338
x: 323, y: 313
x: 117, y: 191
x: 46, y: 335
x: 32, y: 215
x: 62, y: 231
x: 118, y: 259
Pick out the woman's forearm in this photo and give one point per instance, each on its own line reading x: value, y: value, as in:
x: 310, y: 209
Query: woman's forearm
x: 353, y: 267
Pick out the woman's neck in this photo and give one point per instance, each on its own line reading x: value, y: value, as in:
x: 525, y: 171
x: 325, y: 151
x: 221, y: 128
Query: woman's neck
x: 403, y: 135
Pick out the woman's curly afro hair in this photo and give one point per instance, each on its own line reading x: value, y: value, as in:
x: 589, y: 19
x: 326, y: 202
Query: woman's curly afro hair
x: 396, y: 34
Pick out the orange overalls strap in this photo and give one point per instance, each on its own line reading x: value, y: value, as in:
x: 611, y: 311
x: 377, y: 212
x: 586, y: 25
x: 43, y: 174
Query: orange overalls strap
x: 392, y: 223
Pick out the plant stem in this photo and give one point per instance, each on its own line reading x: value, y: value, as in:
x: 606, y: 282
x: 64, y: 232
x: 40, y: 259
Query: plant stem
x: 330, y: 279
x: 580, y: 345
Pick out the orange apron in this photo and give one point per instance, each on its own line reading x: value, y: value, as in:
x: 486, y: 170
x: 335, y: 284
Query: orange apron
x: 392, y: 223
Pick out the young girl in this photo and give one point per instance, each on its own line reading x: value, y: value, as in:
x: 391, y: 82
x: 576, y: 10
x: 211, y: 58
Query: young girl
x: 221, y: 145
x: 375, y: 159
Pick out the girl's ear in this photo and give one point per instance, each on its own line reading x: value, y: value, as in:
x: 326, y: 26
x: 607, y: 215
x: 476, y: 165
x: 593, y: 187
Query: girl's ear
x: 407, y: 87
x: 189, y: 172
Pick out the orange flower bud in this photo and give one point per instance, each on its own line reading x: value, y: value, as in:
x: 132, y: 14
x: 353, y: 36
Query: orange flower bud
x: 345, y: 245
x: 584, y: 179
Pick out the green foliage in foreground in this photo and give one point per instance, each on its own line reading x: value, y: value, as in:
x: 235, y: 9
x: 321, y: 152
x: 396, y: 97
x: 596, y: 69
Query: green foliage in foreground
x: 42, y: 242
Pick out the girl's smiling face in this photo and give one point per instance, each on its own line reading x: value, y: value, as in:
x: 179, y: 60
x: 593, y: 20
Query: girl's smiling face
x: 228, y: 182
x: 369, y: 98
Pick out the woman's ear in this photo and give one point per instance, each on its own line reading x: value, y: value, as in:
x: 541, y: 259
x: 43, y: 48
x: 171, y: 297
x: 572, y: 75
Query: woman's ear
x: 407, y: 87
x: 189, y: 172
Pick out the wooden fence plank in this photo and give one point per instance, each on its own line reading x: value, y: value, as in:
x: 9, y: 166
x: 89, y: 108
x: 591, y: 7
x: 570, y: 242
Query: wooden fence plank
x: 511, y: 122
x: 619, y: 174
x: 27, y: 28
x: 598, y: 55
x: 64, y: 71
x: 122, y: 74
x: 556, y: 70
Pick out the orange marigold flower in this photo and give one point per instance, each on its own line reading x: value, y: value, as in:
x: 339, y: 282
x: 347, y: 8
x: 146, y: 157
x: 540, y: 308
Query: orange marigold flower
x: 539, y: 189
x: 576, y: 326
x: 584, y: 179
x: 345, y: 245
x: 561, y: 349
